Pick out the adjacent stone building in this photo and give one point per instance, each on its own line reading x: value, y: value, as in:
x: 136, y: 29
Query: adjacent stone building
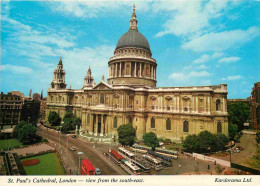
x: 255, y: 106
x: 10, y: 109
x: 130, y: 95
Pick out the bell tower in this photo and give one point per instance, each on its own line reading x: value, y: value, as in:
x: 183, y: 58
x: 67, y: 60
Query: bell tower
x: 88, y: 79
x: 58, y: 81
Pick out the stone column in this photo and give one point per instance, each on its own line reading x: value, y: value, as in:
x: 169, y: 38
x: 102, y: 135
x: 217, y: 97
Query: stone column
x: 140, y: 69
x: 135, y: 70
x: 102, y: 125
x: 155, y: 73
x: 224, y: 110
x: 151, y: 72
x: 204, y: 105
x: 116, y: 71
x: 209, y: 106
x: 197, y: 104
x: 120, y: 69
x: 96, y: 125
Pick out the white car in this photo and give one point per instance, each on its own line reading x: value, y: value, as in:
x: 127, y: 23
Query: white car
x: 73, y: 148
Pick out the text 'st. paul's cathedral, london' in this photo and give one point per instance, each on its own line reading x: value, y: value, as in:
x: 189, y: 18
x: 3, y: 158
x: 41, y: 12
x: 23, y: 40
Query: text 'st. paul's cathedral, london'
x: 130, y: 95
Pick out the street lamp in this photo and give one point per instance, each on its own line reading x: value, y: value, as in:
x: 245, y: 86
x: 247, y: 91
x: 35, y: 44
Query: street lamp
x: 79, y: 153
x: 59, y: 134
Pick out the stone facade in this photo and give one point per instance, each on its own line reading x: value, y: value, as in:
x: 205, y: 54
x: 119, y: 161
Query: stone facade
x: 130, y: 95
x: 10, y: 109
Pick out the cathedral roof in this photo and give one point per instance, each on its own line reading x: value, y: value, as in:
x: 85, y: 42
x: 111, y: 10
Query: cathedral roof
x: 133, y: 38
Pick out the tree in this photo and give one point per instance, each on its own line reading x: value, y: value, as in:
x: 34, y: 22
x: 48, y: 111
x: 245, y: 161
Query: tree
x: 232, y: 131
x: 18, y: 127
x: 238, y: 113
x: 150, y: 139
x: 126, y: 134
x: 70, y: 122
x: 27, y: 134
x: 30, y: 111
x: 191, y: 143
x: 205, y: 142
x: 54, y: 118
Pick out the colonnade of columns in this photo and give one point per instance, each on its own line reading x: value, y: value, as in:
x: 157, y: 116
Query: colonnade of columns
x: 97, y: 128
x: 132, y: 69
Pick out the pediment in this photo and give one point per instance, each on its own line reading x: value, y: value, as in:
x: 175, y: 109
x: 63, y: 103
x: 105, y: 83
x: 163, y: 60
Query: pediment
x: 102, y: 86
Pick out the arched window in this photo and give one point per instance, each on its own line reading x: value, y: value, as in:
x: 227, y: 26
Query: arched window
x: 88, y: 119
x: 115, y: 123
x: 217, y: 105
x: 152, y: 123
x: 185, y: 126
x: 168, y: 124
x: 102, y: 99
x: 219, y: 127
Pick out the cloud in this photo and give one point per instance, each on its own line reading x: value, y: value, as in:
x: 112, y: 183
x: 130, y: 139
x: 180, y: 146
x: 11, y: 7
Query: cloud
x: 190, y: 75
x: 222, y: 40
x: 79, y: 59
x: 202, y: 59
x: 229, y: 59
x: 202, y: 67
x: 91, y: 9
x: 206, y: 57
x: 189, y: 17
x: 231, y: 78
x: 16, y: 69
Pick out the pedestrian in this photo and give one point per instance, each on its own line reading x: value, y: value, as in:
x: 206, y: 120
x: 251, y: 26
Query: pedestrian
x: 179, y: 165
x: 208, y: 166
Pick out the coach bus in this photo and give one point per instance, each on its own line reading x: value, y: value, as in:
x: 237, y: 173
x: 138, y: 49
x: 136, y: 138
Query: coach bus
x: 141, y: 149
x: 130, y: 168
x: 126, y: 153
x: 155, y: 162
x: 87, y: 168
x: 166, y: 160
x: 171, y: 153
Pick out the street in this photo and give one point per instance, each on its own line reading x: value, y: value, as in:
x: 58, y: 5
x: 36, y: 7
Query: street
x: 71, y: 160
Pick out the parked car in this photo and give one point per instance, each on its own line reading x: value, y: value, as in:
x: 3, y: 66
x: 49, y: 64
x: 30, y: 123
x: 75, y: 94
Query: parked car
x: 74, y: 136
x: 97, y: 171
x: 73, y: 148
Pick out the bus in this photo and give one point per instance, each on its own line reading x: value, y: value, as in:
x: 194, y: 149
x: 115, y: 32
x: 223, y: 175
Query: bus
x: 142, y: 165
x: 130, y: 168
x: 114, y: 156
x: 141, y: 149
x: 171, y: 153
x: 87, y: 168
x: 126, y: 153
x: 155, y: 162
x: 166, y: 161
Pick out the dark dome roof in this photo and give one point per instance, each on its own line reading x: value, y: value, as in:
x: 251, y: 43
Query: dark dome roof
x: 133, y: 38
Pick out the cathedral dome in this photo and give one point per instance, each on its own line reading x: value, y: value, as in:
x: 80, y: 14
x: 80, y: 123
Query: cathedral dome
x: 133, y: 38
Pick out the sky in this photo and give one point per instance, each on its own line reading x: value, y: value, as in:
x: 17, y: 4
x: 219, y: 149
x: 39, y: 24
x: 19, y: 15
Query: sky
x: 195, y: 43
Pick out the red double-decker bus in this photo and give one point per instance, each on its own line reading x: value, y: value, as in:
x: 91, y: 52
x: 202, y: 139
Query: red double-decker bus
x: 87, y: 168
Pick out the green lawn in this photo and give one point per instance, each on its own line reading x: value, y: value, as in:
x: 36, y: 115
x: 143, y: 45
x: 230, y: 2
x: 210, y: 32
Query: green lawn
x: 49, y: 165
x: 9, y: 142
